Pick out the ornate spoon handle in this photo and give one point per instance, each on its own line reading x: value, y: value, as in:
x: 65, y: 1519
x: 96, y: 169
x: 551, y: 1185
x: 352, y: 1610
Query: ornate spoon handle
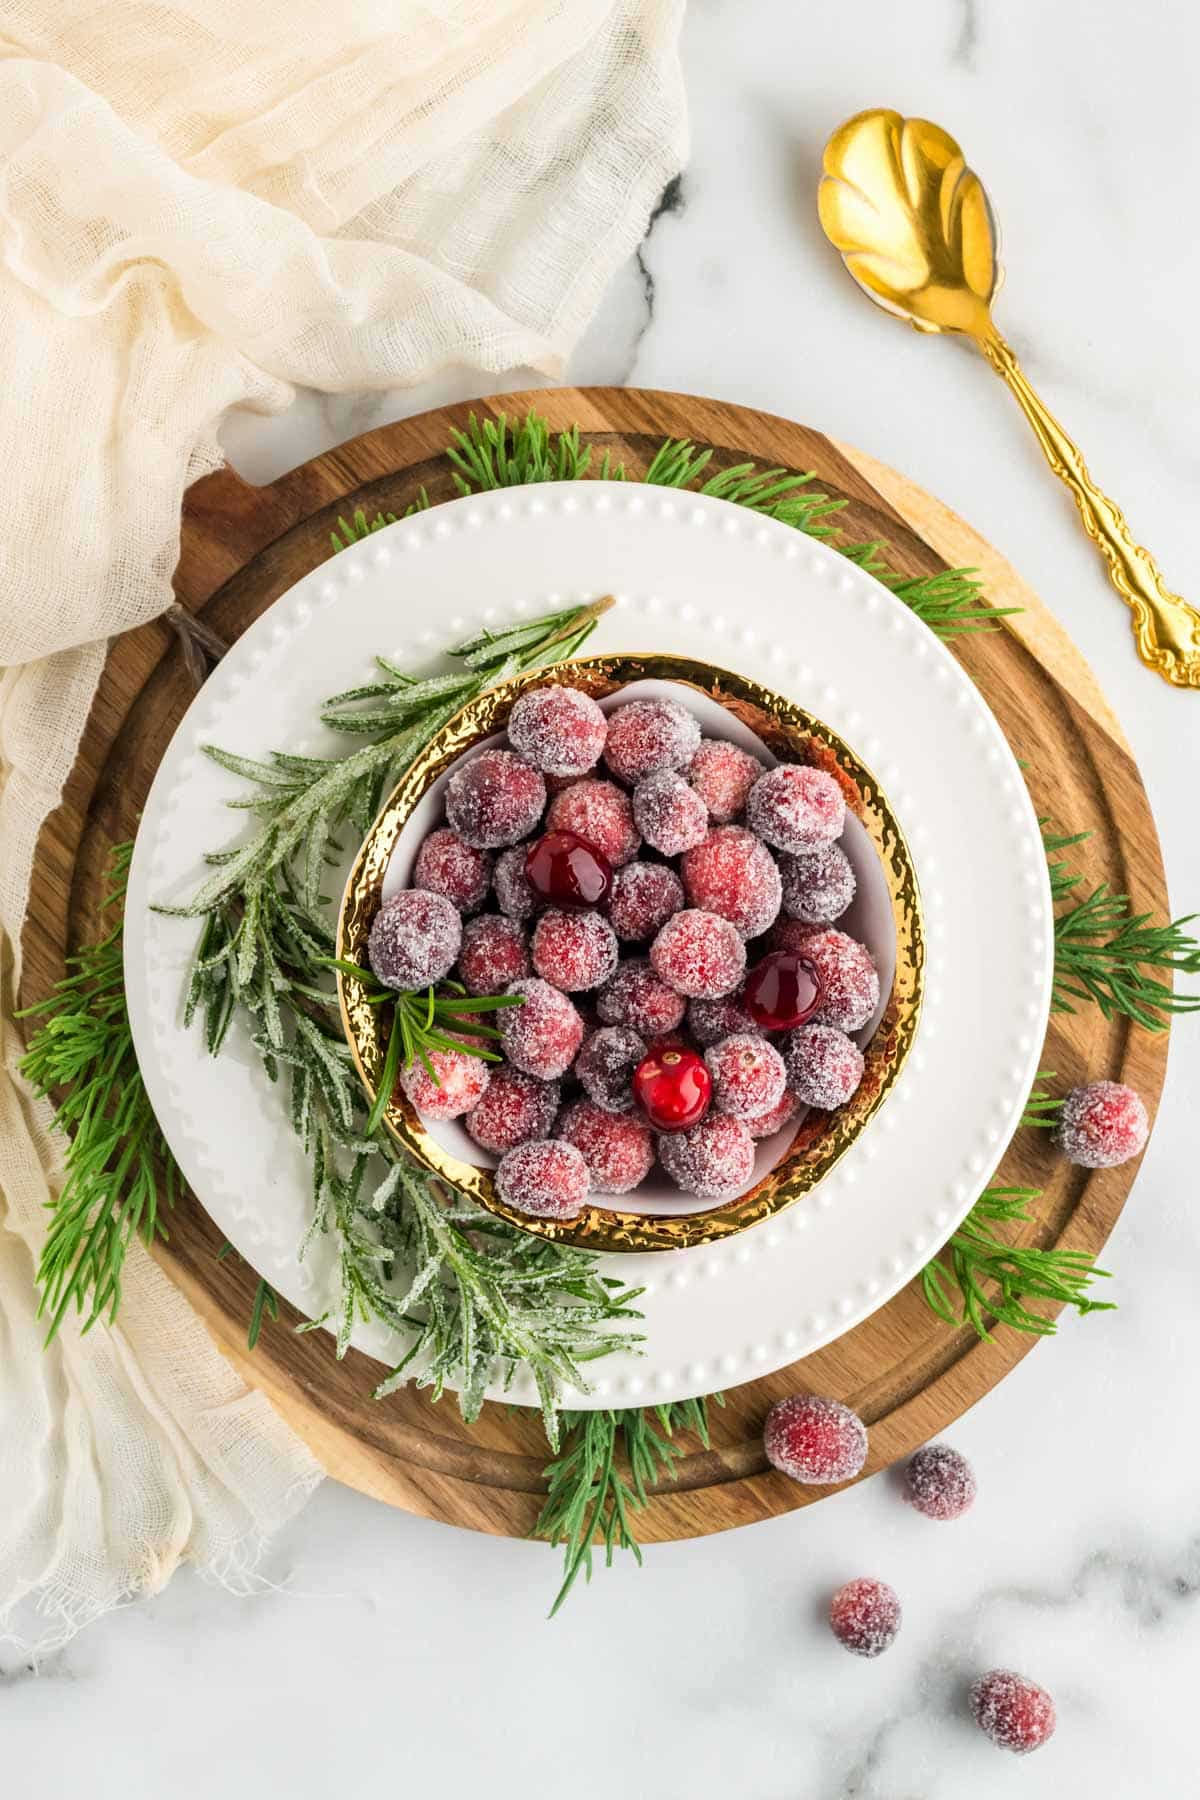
x: 1166, y: 629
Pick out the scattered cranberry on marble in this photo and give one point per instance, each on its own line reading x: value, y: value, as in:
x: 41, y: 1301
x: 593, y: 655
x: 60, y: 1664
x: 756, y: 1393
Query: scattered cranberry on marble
x: 864, y: 1616
x: 1013, y: 1711
x: 939, y: 1482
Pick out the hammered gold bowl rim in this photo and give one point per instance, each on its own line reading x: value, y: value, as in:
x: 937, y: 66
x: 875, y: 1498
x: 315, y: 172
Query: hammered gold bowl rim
x: 787, y: 730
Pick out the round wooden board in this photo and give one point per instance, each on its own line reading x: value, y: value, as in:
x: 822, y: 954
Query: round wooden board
x: 906, y: 1373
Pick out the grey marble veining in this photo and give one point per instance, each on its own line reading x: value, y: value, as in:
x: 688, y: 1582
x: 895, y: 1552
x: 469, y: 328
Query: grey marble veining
x: 390, y: 1651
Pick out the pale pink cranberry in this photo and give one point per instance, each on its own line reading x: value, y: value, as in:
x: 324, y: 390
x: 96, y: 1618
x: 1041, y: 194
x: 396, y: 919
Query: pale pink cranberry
x: 493, y: 953
x: 643, y: 897
x: 542, y: 1036
x: 558, y: 729
x: 599, y: 812
x: 733, y: 874
x: 617, y: 1147
x: 670, y: 815
x: 824, y: 1066
x: 748, y: 1075
x: 445, y: 865
x: 514, y: 1108
x: 546, y: 1179
x: 457, y: 1084
x: 796, y: 808
x: 1102, y: 1125
x: 699, y: 954
x: 574, y: 950
x: 414, y: 939
x: 865, y: 1616
x: 815, y: 1440
x: 494, y: 799
x: 645, y: 735
x: 714, y: 1160
x: 723, y: 774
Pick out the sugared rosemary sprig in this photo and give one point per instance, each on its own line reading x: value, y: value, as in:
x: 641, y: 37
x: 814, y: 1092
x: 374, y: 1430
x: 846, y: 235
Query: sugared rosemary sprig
x: 593, y: 1493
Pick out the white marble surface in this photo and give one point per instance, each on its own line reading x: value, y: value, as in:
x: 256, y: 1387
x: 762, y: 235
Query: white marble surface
x: 392, y: 1652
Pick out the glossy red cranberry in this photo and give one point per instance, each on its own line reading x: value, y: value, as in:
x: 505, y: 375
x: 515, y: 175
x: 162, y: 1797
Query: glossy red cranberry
x: 673, y: 1087
x: 566, y: 870
x: 781, y: 991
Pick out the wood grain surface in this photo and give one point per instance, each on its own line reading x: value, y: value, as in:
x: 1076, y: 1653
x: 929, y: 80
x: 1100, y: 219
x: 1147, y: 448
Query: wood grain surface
x: 907, y: 1374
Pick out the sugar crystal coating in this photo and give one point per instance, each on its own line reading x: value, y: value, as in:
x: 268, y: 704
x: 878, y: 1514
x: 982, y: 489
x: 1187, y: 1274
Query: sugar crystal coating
x: 558, y: 729
x: 414, y: 939
x: 514, y: 896
x: 574, y: 950
x: 699, y: 954
x: 796, y: 808
x: 766, y: 1124
x: 617, y: 1147
x: 643, y: 897
x: 494, y: 952
x: 445, y: 865
x: 670, y: 815
x: 542, y: 1036
x: 1013, y: 1711
x: 544, y: 1178
x: 865, y: 1616
x: 494, y: 799
x: 514, y: 1109
x: 711, y: 1020
x: 815, y: 1440
x: 848, y: 977
x: 939, y: 1482
x: 723, y: 774
x: 824, y: 1066
x: 635, y: 996
x: 462, y: 1081
x: 714, y: 1160
x: 734, y: 874
x: 645, y: 735
x: 605, y: 1066
x: 1102, y: 1125
x: 601, y: 813
x: 748, y: 1075
x: 817, y: 888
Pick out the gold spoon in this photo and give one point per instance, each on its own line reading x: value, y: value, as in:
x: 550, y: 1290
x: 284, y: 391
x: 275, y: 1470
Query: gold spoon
x: 915, y: 230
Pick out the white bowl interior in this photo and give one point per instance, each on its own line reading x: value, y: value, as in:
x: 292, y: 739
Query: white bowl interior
x: 869, y: 918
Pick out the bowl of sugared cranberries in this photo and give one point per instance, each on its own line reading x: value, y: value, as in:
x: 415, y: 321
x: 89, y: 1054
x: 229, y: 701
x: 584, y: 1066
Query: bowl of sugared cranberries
x: 693, y: 913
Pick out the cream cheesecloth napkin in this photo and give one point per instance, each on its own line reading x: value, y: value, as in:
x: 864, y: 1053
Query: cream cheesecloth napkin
x: 204, y: 203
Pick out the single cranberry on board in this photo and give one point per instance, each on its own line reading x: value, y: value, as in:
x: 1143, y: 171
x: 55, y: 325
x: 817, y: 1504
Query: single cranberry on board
x: 781, y: 991
x: 865, y: 1616
x: 1013, y: 1711
x: 565, y: 870
x: 815, y: 1440
x: 673, y: 1088
x: 1102, y: 1125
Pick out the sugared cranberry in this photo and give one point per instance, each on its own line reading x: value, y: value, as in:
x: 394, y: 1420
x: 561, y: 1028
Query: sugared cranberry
x: 617, y: 1147
x: 766, y: 1124
x: 514, y: 1109
x: 673, y: 1088
x: 644, y: 895
x: 1013, y: 1711
x: 558, y: 729
x: 494, y: 799
x: 722, y: 775
x: 796, y: 808
x: 865, y: 1616
x: 564, y: 870
x: 541, y: 1036
x: 714, y: 1160
x: 601, y: 814
x: 461, y: 1081
x: 1102, y: 1125
x: 815, y: 1440
x: 670, y: 815
x: 748, y: 1075
x: 574, y: 950
x: 493, y: 954
x: 546, y: 1179
x: 732, y: 873
x: 636, y: 997
x: 824, y: 1066
x: 514, y: 896
x: 781, y: 991
x: 699, y: 954
x: 939, y: 1482
x: 819, y: 887
x: 445, y: 865
x: 645, y: 735
x: 606, y: 1065
x: 849, y: 979
x: 711, y: 1020
x: 414, y: 939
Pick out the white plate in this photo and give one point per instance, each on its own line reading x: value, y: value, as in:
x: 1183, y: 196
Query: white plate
x: 706, y: 579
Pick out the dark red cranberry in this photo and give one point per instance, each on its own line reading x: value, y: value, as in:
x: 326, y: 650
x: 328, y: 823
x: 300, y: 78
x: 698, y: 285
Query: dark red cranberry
x: 673, y: 1087
x: 566, y: 870
x: 781, y: 991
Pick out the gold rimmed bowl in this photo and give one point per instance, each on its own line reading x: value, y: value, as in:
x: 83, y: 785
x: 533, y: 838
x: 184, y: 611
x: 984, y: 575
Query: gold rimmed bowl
x: 885, y: 915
